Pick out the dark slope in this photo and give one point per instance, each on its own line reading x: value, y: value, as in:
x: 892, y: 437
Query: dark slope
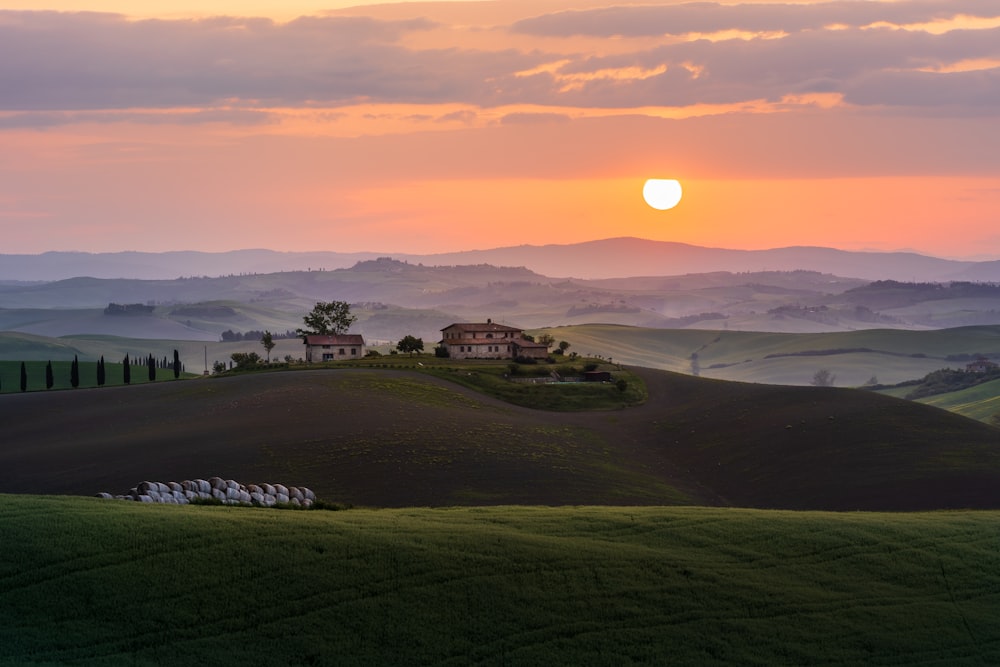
x: 389, y: 438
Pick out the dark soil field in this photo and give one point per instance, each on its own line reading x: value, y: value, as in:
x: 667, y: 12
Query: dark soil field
x: 397, y: 438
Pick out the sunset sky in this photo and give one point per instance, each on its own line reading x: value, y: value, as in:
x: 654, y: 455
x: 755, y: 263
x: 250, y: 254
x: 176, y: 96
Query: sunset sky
x: 432, y: 127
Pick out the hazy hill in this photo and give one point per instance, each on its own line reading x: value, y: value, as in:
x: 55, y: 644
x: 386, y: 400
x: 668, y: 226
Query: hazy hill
x: 608, y: 258
x: 390, y: 438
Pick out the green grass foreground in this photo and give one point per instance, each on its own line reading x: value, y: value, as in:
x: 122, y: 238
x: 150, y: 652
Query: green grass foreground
x: 91, y: 582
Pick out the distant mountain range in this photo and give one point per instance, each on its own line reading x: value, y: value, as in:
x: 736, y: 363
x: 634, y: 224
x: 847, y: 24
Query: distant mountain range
x: 608, y: 258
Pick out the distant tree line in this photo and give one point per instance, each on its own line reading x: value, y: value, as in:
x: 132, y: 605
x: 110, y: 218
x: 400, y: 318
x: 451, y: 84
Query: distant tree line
x: 230, y: 336
x: 128, y: 309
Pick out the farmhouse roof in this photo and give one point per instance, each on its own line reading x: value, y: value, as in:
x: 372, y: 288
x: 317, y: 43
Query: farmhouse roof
x: 341, y: 339
x: 480, y: 326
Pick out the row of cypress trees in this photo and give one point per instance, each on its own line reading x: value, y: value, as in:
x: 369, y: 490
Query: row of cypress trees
x: 150, y: 362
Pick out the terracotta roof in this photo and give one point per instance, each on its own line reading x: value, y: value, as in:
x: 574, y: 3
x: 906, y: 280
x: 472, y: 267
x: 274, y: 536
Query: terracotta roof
x: 529, y: 343
x: 479, y: 341
x: 342, y: 339
x: 480, y: 326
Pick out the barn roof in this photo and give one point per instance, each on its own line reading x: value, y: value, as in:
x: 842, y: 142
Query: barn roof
x: 340, y: 339
x: 481, y: 326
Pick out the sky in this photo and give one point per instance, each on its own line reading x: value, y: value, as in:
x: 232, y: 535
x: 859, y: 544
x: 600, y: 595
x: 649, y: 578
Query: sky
x: 435, y: 127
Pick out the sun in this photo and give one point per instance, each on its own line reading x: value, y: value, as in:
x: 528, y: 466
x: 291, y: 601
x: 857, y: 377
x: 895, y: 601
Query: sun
x: 662, y: 193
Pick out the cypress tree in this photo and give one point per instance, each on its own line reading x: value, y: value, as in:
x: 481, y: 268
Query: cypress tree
x: 151, y: 363
x: 177, y: 365
x: 126, y: 371
x: 100, y: 372
x: 74, y: 372
x: 24, y: 377
x: 49, y: 379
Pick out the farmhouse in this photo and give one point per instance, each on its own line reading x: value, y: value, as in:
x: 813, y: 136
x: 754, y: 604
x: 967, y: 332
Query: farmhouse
x: 488, y: 340
x: 981, y: 365
x: 334, y: 348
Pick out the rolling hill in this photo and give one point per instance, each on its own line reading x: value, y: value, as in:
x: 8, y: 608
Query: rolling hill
x: 110, y: 583
x: 396, y: 438
x: 781, y: 358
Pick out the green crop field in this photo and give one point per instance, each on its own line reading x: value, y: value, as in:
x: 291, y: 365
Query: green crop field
x: 980, y: 402
x: 93, y: 582
x: 891, y: 355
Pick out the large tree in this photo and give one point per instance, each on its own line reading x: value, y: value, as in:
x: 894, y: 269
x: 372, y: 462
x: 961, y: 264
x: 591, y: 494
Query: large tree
x: 74, y: 372
x: 327, y: 318
x: 101, y: 377
x: 177, y: 364
x: 410, y: 344
x: 126, y: 370
x: 151, y: 365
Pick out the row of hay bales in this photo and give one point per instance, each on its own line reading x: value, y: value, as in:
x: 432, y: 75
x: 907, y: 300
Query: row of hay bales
x: 228, y: 491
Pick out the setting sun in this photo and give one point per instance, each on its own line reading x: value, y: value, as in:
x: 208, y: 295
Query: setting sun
x: 662, y: 194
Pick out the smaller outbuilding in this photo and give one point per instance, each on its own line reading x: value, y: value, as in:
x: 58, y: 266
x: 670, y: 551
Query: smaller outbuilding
x: 597, y: 376
x: 338, y: 347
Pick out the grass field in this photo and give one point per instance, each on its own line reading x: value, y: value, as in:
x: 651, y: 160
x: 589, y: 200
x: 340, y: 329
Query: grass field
x: 980, y: 402
x: 393, y: 437
x: 95, y: 582
x: 783, y: 358
x: 10, y: 375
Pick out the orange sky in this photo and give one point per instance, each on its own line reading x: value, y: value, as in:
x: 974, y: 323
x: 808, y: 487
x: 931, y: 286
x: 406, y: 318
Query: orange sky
x: 426, y: 127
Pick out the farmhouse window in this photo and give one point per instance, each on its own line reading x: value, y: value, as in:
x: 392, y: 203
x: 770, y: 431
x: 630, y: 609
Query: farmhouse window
x: 354, y: 351
x: 341, y: 351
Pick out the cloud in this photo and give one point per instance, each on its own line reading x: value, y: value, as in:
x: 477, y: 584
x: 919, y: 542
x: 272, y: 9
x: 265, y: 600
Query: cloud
x: 711, y: 17
x: 67, y: 62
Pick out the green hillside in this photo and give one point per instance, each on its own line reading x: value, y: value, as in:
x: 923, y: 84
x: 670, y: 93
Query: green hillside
x: 853, y: 357
x: 981, y: 402
x: 504, y: 585
x: 381, y: 437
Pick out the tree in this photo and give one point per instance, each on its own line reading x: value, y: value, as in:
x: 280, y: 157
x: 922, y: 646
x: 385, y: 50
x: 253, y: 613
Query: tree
x: 126, y: 370
x: 177, y: 365
x: 74, y: 372
x: 24, y: 377
x: 410, y: 344
x: 823, y: 378
x: 101, y: 377
x: 545, y: 339
x: 49, y: 379
x: 151, y: 365
x: 245, y: 359
x: 268, y: 342
x: 328, y: 318
x: 563, y: 346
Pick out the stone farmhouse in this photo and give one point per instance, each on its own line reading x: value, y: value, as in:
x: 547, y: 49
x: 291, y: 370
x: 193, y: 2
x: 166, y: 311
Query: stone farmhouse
x: 335, y: 347
x: 488, y: 340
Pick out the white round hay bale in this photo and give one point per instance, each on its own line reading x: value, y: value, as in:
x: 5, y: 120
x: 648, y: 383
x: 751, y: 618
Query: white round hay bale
x: 143, y: 498
x: 307, y: 503
x: 243, y: 497
x: 217, y: 482
x: 269, y: 500
x: 295, y: 493
x: 281, y: 497
x: 105, y: 495
x: 144, y: 487
x: 190, y: 495
x: 154, y: 494
x: 175, y: 487
x: 162, y: 488
x: 308, y: 493
x: 232, y: 484
x: 188, y: 485
x: 232, y: 494
x: 216, y: 493
x: 203, y: 485
x: 253, y: 488
x: 256, y: 497
x: 280, y: 488
x: 268, y: 489
x: 296, y: 502
x: 205, y: 494
x: 178, y: 495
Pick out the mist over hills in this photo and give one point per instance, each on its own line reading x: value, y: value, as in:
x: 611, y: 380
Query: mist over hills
x: 607, y: 258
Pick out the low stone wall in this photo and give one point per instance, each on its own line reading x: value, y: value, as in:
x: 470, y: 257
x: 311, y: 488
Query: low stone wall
x: 228, y: 491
